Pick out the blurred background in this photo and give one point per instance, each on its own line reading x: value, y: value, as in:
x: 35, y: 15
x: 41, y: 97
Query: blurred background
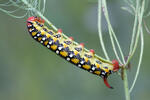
x: 29, y: 71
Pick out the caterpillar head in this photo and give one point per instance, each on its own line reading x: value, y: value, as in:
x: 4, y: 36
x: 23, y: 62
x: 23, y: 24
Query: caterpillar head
x: 33, y: 18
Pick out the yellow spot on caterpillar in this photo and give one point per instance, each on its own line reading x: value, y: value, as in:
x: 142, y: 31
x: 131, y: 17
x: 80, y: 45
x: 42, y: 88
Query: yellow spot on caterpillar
x: 48, y: 35
x: 64, y: 53
x: 34, y: 33
x: 46, y: 42
x: 97, y: 72
x: 106, y: 70
x: 65, y: 45
x: 35, y: 25
x: 38, y: 28
x: 86, y: 67
x: 42, y: 32
x: 54, y: 47
x: 39, y: 39
x: 97, y: 65
x: 55, y: 39
x: 76, y: 52
x: 86, y: 59
x: 75, y: 60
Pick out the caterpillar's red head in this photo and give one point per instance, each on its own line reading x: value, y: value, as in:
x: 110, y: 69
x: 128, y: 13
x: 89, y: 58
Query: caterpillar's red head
x: 32, y: 18
x: 116, y: 65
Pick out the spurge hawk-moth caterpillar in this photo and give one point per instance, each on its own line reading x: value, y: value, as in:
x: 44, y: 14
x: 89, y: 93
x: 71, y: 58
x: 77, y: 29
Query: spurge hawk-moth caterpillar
x: 74, y: 53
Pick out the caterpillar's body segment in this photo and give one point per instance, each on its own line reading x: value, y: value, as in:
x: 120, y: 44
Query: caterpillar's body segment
x: 69, y: 51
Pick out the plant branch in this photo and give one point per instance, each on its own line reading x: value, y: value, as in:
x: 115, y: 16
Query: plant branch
x: 126, y: 87
x: 140, y: 61
x: 140, y: 16
x: 112, y: 33
x: 100, y: 29
x: 134, y: 27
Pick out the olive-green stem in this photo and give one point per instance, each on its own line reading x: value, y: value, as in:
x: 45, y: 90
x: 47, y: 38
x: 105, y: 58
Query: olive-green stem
x: 100, y: 29
x: 135, y: 26
x: 112, y: 34
x: 126, y: 87
x: 139, y: 63
x: 140, y: 16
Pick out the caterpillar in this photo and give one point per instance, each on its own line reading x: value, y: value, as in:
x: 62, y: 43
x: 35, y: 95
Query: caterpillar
x: 73, y: 53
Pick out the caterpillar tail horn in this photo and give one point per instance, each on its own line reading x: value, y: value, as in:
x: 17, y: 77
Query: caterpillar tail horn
x: 106, y: 83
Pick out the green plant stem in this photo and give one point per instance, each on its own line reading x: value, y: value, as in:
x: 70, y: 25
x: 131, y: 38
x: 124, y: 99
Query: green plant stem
x: 126, y: 87
x: 134, y: 27
x: 140, y: 16
x: 140, y: 61
x: 100, y: 29
x: 112, y: 33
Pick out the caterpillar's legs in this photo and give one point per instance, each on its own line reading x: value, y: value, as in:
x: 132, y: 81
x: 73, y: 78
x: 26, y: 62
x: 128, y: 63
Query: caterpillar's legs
x: 106, y: 83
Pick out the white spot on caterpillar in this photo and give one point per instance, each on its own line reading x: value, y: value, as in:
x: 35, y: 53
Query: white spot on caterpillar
x: 48, y: 46
x: 41, y: 41
x: 68, y: 59
x: 79, y: 65
x: 93, y: 68
x: 57, y: 52
x: 91, y: 71
x: 50, y: 42
x: 82, y: 62
x: 59, y: 48
x: 71, y: 55
x: 38, y: 34
x: 35, y: 37
x: 103, y: 73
